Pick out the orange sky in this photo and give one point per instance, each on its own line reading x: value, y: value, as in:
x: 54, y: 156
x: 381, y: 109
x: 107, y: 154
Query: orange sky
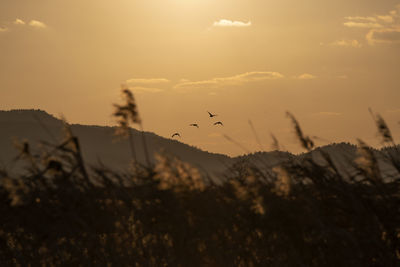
x: 325, y: 61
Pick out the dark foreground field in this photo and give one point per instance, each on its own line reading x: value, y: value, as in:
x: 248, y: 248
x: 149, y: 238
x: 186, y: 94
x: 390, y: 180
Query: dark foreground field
x: 300, y: 214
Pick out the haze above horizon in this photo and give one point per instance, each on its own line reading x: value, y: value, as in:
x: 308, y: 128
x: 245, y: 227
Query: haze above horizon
x: 325, y: 61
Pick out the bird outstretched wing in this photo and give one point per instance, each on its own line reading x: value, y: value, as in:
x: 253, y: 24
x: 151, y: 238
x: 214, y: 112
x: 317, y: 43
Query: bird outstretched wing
x: 176, y: 134
x: 211, y: 115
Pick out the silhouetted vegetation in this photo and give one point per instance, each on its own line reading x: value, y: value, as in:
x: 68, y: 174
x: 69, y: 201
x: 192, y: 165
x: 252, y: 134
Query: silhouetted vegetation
x: 301, y: 213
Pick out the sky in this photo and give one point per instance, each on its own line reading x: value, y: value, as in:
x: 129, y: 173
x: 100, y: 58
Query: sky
x: 326, y: 62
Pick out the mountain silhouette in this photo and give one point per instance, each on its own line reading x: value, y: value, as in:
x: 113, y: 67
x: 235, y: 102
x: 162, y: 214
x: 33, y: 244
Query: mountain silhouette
x: 100, y: 145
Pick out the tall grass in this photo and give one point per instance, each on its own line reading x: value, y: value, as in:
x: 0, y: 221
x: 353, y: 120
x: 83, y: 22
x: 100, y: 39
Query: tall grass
x: 299, y: 214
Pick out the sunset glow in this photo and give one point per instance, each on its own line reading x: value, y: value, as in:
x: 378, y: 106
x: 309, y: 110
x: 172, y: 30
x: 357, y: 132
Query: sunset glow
x: 200, y: 133
x: 327, y: 62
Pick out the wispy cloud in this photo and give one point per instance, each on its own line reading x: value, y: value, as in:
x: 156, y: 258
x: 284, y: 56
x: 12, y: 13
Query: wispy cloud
x: 142, y: 89
x: 147, y: 81
x: 355, y: 24
x: 232, y: 80
x: 19, y: 22
x: 37, y: 24
x: 306, y: 76
x: 373, y: 20
x: 384, y: 36
x: 347, y: 43
x: 383, y: 29
x: 360, y: 18
x: 230, y: 23
x: 386, y: 18
x: 146, y: 85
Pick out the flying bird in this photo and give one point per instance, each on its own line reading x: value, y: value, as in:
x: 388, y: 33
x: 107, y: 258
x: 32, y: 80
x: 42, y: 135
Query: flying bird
x: 219, y: 123
x: 211, y: 115
x: 176, y: 134
x: 194, y: 125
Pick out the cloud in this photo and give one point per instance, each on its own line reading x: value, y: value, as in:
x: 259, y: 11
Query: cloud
x: 230, y: 23
x: 383, y: 29
x: 360, y: 18
x: 254, y: 76
x: 370, y: 22
x: 143, y: 85
x: 33, y: 23
x: 384, y: 36
x: 141, y: 89
x: 19, y: 22
x: 233, y: 80
x: 147, y: 81
x: 37, y: 24
x: 386, y: 18
x: 305, y: 76
x: 347, y: 43
x: 354, y: 24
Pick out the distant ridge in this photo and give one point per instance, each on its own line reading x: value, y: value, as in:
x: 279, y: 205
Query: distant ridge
x: 99, y: 144
x: 26, y: 115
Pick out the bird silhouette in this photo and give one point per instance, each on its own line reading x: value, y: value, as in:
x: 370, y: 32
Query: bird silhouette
x: 194, y: 125
x: 211, y: 115
x: 219, y: 123
x: 176, y: 134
